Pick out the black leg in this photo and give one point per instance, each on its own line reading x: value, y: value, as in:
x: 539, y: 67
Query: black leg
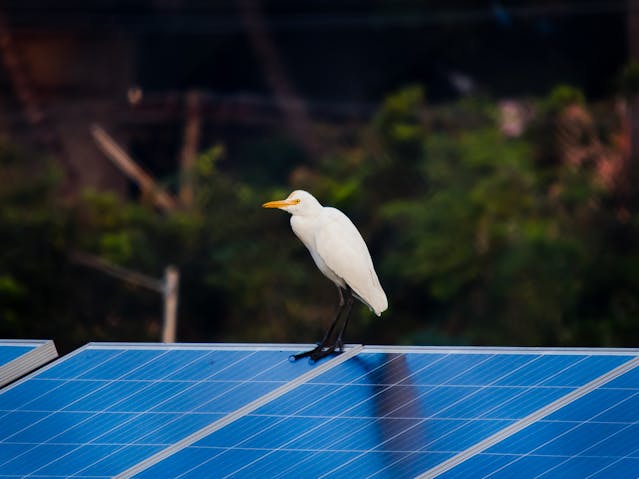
x: 347, y: 315
x: 323, y: 348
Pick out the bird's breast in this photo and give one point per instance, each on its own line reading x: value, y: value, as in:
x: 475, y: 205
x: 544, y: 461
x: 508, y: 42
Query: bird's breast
x: 306, y: 230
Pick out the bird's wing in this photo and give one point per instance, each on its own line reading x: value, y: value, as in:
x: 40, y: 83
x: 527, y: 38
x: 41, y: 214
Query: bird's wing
x: 342, y: 248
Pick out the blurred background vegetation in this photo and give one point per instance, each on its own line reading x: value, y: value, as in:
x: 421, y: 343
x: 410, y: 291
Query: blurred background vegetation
x: 499, y: 205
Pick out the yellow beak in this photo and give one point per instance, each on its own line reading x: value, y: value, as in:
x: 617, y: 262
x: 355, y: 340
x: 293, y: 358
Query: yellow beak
x: 280, y: 203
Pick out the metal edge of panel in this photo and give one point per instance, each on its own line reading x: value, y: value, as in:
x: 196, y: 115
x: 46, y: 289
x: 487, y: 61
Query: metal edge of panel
x: 42, y: 354
x: 374, y: 348
x: 203, y: 346
x: 503, y: 350
x: 23, y: 342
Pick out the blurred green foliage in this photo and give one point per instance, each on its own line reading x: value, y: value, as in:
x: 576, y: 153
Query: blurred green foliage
x: 478, y: 238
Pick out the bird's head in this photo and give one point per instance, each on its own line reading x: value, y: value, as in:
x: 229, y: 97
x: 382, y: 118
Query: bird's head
x: 299, y: 202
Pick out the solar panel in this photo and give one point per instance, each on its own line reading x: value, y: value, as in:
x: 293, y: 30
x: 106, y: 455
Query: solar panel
x: 19, y: 357
x: 191, y: 411
x: 387, y: 413
x: 107, y: 407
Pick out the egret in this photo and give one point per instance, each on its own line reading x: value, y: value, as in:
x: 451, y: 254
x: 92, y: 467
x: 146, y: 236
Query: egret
x: 339, y: 251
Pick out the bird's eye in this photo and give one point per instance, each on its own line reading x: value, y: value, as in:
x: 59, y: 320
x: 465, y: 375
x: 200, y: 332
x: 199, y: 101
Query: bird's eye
x: 296, y: 201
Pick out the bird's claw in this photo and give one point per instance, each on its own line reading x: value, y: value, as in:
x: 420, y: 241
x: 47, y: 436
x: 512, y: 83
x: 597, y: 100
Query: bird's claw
x: 321, y: 351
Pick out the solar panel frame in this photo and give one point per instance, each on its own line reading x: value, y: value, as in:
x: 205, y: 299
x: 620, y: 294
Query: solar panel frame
x: 29, y: 355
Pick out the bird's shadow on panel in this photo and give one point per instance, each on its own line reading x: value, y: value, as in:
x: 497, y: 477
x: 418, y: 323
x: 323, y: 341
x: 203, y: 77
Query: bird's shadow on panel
x: 398, y: 414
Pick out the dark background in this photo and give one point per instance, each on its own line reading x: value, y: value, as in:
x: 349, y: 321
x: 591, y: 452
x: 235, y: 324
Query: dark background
x: 396, y: 112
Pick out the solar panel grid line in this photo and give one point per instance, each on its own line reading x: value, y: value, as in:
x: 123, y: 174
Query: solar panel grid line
x: 531, y: 418
x: 452, y: 430
x: 244, y: 410
x: 591, y: 446
x: 40, y: 353
x: 104, y: 386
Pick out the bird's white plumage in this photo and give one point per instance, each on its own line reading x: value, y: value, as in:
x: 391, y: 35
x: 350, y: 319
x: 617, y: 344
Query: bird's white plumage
x: 337, y: 247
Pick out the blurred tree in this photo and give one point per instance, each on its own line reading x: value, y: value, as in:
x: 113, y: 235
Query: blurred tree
x: 478, y: 237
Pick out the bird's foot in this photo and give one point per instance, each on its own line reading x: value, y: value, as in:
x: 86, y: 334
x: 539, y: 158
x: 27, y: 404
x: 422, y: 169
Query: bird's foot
x: 322, y: 353
x: 306, y: 354
x: 319, y: 352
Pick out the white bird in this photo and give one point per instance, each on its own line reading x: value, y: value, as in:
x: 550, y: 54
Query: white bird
x: 340, y: 253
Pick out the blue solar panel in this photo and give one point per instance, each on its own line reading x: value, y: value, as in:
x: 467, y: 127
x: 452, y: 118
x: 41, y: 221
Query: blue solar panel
x: 387, y: 414
x: 153, y: 411
x: 105, y: 408
x: 19, y: 357
x: 594, y: 436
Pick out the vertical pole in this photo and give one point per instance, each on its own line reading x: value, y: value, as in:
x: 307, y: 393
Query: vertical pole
x: 171, y: 285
